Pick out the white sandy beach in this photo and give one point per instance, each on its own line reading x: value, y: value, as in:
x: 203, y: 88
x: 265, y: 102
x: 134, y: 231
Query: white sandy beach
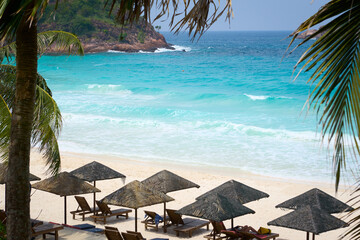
x: 49, y: 207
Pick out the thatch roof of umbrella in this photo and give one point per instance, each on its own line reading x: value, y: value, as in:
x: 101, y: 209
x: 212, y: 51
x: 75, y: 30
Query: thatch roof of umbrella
x: 316, y: 197
x: 236, y: 190
x: 309, y: 219
x: 216, y: 208
x: 166, y: 181
x: 65, y: 184
x: 95, y: 171
x: 136, y: 195
x: 3, y: 174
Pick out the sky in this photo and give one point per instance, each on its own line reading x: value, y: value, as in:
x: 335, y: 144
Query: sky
x: 263, y: 15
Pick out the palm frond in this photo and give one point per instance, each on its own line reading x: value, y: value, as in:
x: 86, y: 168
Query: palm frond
x: 61, y: 41
x: 5, y: 124
x: 47, y: 118
x: 46, y: 129
x: 58, y: 41
x: 334, y: 59
x: 197, y: 16
x: 11, y: 13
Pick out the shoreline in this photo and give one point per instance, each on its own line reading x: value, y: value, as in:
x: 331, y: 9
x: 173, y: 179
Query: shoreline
x: 208, y: 169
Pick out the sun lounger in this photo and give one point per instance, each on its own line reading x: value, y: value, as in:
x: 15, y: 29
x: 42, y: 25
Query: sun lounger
x: 33, y: 222
x: 130, y: 236
x: 138, y: 234
x: 230, y: 235
x: 218, y: 227
x: 176, y: 218
x: 112, y: 233
x: 52, y: 229
x: 106, y: 212
x: 191, y: 226
x: 251, y: 235
x: 3, y: 217
x: 152, y: 220
x: 83, y: 208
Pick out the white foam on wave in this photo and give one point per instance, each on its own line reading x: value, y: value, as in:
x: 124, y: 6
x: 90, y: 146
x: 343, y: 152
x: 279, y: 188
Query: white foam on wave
x: 177, y: 48
x: 109, y: 88
x: 255, y: 97
x: 114, y: 51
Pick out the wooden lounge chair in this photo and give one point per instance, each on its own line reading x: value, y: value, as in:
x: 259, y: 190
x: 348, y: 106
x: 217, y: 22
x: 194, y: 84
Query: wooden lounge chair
x: 106, y: 212
x: 3, y: 217
x: 191, y: 226
x: 140, y: 236
x: 151, y: 221
x: 112, y: 233
x: 130, y: 236
x: 52, y: 229
x: 251, y: 235
x: 176, y: 218
x: 83, y: 208
x: 230, y: 235
x: 33, y: 222
x: 217, y: 228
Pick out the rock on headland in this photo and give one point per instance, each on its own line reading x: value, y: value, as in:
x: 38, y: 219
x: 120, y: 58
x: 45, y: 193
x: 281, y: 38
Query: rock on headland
x: 98, y: 31
x: 308, y: 33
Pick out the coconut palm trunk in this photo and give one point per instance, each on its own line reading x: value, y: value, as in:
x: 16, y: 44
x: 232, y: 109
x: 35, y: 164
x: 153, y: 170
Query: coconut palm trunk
x: 18, y: 199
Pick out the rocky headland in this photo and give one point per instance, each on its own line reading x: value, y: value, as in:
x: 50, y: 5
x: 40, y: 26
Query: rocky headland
x: 98, y: 31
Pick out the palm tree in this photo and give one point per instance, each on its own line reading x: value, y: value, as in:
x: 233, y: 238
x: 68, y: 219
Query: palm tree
x: 18, y: 19
x: 334, y: 59
x: 46, y: 122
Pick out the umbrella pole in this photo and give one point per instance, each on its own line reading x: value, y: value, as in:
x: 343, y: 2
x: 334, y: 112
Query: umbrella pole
x: 313, y: 236
x: 64, y: 209
x: 135, y: 219
x: 232, y: 223
x: 5, y: 199
x: 94, y: 199
x: 307, y: 236
x: 165, y: 217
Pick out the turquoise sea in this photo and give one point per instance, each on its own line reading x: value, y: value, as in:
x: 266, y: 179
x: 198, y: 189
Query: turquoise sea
x: 227, y: 100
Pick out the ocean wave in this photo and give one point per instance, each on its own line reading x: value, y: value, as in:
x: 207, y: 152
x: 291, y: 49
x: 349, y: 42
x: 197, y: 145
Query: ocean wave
x: 177, y: 48
x: 112, y: 88
x: 114, y: 51
x: 260, y: 97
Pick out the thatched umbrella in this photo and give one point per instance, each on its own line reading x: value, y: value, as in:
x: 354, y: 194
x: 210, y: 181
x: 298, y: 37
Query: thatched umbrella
x: 236, y: 190
x: 316, y: 197
x: 166, y: 181
x: 136, y: 195
x: 65, y: 184
x: 310, y: 219
x: 216, y: 208
x: 96, y: 171
x: 3, y: 176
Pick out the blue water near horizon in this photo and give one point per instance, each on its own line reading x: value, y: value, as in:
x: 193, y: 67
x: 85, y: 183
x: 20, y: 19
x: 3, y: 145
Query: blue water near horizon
x: 227, y: 100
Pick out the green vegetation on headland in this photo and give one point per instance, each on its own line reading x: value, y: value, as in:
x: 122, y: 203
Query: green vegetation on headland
x: 98, y: 30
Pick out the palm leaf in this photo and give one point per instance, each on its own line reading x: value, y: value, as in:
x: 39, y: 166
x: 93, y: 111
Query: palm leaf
x: 11, y: 13
x: 197, y: 16
x: 47, y: 125
x: 5, y: 124
x: 61, y: 41
x: 47, y: 118
x: 334, y: 59
x: 58, y: 41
